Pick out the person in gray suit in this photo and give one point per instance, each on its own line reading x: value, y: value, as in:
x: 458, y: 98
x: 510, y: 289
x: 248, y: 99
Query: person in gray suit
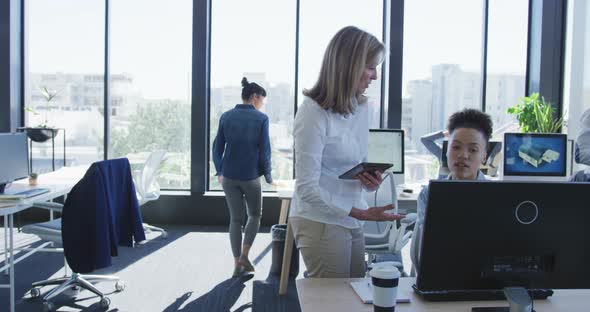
x: 582, y: 152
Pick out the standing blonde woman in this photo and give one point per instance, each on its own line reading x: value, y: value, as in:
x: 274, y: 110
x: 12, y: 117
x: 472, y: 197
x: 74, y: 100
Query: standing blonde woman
x: 331, y: 136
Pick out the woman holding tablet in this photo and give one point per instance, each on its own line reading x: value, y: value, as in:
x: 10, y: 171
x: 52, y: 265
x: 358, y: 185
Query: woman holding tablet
x: 331, y: 136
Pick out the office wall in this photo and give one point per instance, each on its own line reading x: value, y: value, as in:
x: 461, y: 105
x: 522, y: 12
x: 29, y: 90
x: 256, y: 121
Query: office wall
x: 206, y: 210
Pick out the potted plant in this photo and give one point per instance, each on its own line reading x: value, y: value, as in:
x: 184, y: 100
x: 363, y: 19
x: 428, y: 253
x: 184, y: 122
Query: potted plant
x: 534, y: 114
x: 43, y: 131
x: 33, y: 178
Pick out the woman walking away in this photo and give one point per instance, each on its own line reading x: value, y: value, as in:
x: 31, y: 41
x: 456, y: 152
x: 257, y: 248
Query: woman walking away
x: 241, y: 153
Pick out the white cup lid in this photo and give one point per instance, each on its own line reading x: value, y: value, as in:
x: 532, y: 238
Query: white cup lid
x: 385, y: 271
x: 385, y: 263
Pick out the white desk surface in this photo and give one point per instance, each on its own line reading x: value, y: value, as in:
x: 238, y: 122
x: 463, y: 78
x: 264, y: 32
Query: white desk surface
x: 59, y: 183
x: 336, y: 295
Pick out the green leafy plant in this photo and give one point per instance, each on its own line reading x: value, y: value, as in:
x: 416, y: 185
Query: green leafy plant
x: 49, y: 95
x: 534, y: 114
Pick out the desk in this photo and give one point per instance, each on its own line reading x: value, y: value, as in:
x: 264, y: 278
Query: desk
x: 335, y: 294
x: 285, y: 195
x: 60, y: 183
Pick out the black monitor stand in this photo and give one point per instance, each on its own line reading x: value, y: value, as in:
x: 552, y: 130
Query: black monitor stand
x: 518, y: 298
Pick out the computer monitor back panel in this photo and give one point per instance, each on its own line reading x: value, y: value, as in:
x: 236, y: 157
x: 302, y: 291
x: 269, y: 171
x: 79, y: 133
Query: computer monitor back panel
x: 387, y: 146
x: 497, y: 234
x: 14, y: 157
x: 535, y: 156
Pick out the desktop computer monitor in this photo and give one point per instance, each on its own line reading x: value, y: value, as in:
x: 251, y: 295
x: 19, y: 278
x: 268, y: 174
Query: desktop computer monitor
x: 482, y: 236
x: 387, y: 146
x: 535, y: 156
x: 14, y: 158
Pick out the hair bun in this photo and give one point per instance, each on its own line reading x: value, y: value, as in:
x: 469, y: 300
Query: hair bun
x: 245, y: 82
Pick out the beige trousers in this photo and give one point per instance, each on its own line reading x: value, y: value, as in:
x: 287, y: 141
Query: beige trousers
x: 329, y: 250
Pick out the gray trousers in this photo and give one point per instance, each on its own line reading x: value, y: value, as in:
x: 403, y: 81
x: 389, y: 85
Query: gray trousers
x: 242, y: 196
x: 330, y: 250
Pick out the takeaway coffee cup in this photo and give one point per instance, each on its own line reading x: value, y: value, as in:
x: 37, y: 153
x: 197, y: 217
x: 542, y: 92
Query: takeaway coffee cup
x: 385, y: 279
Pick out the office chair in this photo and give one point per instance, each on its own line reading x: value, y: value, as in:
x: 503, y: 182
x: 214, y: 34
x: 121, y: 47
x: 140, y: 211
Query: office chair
x: 387, y: 237
x: 51, y: 231
x: 100, y: 213
x: 147, y: 186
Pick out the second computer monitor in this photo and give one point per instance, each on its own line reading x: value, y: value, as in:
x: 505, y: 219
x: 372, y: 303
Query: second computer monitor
x: 535, y: 156
x: 14, y: 158
x: 387, y: 146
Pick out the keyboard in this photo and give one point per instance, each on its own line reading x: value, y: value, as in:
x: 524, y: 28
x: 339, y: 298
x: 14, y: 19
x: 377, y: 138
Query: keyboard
x: 475, y: 295
x: 32, y: 192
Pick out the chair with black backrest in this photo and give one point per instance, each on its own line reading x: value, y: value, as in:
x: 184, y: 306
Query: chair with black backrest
x: 100, y: 213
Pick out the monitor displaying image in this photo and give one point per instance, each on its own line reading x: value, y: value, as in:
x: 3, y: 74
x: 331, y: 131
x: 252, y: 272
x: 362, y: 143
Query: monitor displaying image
x: 535, y: 154
x: 387, y: 146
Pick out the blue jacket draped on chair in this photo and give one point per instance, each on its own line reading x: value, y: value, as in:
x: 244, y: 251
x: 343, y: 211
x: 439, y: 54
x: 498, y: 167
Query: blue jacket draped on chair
x: 100, y: 213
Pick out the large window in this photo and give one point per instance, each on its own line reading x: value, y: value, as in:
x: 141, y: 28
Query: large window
x: 150, y: 83
x: 266, y: 41
x: 255, y: 39
x: 441, y: 72
x: 64, y: 55
x: 317, y: 28
x: 506, y: 60
x: 241, y: 49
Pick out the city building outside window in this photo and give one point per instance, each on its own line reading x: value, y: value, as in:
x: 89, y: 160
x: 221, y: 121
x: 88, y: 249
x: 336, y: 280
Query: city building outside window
x: 67, y: 62
x: 150, y: 67
x: 262, y: 50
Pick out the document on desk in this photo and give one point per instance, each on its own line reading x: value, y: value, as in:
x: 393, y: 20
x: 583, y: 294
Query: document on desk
x: 5, y: 204
x: 11, y: 197
x: 365, y: 292
x: 10, y: 200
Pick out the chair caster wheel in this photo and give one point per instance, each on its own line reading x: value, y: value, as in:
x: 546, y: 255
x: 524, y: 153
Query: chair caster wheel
x: 72, y: 291
x: 48, y: 306
x: 119, y: 286
x: 35, y: 292
x: 105, y: 303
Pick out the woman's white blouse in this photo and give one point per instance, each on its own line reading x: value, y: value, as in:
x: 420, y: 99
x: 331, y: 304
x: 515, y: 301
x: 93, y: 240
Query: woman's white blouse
x: 328, y: 144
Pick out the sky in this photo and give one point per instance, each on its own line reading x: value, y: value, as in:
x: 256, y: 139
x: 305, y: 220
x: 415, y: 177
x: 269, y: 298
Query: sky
x: 152, y: 41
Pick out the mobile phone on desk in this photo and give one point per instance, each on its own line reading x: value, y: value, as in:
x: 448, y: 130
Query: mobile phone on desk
x: 491, y: 309
x: 371, y: 168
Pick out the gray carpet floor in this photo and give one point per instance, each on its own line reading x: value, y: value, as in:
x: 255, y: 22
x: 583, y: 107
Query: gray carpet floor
x: 190, y: 270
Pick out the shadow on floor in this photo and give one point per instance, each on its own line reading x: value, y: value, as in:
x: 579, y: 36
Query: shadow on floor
x: 266, y: 296
x: 43, y: 265
x: 219, y: 299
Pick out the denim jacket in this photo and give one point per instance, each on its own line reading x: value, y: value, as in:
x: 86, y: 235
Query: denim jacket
x: 241, y: 150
